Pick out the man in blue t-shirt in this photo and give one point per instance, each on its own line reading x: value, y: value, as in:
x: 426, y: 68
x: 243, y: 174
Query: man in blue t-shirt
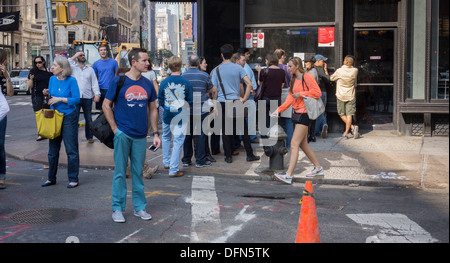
x: 231, y: 76
x: 106, y: 69
x: 129, y: 122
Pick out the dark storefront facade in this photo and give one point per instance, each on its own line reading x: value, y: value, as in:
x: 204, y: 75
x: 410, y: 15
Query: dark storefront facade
x: 401, y: 50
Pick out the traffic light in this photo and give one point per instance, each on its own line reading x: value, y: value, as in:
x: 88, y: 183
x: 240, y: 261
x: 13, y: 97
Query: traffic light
x: 77, y: 11
x: 71, y: 12
x: 61, y: 13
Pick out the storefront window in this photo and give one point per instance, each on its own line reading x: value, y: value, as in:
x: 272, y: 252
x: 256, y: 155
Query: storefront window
x: 294, y: 41
x: 289, y: 11
x: 416, y: 52
x: 375, y: 11
x: 439, y: 50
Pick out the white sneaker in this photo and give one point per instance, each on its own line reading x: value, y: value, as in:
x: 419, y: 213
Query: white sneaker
x: 143, y: 215
x: 117, y: 217
x: 284, y: 177
x: 316, y: 172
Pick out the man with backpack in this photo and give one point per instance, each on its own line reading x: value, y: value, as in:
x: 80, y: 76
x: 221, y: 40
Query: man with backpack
x: 129, y: 122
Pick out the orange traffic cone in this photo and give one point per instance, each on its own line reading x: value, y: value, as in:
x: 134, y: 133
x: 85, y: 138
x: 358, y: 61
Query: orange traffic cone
x: 308, y: 226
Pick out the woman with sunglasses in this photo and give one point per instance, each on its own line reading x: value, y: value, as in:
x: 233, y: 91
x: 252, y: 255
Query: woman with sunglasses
x: 39, y: 79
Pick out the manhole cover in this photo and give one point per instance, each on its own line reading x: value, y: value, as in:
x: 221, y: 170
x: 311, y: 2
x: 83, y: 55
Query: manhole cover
x: 43, y: 216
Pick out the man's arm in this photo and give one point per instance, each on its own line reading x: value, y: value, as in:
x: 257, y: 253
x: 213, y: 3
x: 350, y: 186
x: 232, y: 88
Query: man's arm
x: 109, y: 115
x: 248, y: 90
x: 154, y: 122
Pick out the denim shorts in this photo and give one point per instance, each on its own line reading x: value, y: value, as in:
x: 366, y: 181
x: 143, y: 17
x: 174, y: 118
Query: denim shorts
x: 300, y: 118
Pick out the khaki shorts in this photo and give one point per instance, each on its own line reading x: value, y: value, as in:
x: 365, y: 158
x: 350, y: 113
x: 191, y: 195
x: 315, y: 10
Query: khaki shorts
x: 347, y: 108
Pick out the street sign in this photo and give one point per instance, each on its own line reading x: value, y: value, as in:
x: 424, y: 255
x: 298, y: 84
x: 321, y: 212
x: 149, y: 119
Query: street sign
x: 77, y: 11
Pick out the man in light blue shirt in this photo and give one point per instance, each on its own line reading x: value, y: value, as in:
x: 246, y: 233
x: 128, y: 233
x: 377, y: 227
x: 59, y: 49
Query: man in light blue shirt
x: 229, y: 89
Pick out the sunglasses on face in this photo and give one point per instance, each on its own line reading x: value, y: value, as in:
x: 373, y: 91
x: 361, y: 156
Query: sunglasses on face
x: 39, y: 62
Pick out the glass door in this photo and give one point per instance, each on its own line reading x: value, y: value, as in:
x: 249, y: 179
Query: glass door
x: 375, y: 56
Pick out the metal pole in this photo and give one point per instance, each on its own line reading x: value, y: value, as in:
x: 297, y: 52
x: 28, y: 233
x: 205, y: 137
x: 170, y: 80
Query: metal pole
x: 50, y: 31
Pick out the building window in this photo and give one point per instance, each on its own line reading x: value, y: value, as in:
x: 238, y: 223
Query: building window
x: 294, y: 41
x: 375, y: 11
x: 416, y: 52
x: 289, y: 11
x: 71, y: 37
x: 439, y: 50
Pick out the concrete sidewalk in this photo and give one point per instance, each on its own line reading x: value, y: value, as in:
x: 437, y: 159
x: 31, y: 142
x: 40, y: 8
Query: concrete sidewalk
x: 380, y: 158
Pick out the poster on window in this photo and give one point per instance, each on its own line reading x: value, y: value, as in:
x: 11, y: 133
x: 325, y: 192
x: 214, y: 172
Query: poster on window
x: 326, y: 36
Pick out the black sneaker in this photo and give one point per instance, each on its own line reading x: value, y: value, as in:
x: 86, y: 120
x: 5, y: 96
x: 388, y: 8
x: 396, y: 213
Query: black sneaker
x: 228, y: 159
x: 206, y: 164
x: 252, y: 158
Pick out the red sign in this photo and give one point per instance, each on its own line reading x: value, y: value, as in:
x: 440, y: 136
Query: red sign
x: 326, y: 36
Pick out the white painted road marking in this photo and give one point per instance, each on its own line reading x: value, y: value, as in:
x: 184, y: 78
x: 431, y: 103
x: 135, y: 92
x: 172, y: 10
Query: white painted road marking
x: 392, y: 228
x: 230, y: 231
x: 205, y: 210
x: 128, y: 238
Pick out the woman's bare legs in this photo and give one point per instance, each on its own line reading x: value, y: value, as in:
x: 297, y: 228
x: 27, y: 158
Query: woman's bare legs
x: 300, y: 139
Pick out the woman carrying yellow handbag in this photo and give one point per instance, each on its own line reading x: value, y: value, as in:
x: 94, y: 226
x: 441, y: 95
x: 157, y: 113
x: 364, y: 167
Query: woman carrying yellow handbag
x: 64, y: 96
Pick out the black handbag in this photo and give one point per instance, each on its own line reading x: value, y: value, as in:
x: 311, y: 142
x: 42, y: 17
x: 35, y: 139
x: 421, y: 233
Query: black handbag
x: 100, y: 128
x: 260, y: 90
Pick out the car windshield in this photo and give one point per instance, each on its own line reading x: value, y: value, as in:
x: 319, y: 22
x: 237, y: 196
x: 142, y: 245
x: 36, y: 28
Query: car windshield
x: 91, y: 53
x: 19, y: 73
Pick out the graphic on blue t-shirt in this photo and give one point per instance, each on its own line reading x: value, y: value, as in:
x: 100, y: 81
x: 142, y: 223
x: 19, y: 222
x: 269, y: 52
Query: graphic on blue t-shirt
x: 136, y: 96
x: 175, y: 96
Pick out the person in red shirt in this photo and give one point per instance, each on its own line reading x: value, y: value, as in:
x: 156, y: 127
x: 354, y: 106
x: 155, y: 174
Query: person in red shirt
x: 302, y: 84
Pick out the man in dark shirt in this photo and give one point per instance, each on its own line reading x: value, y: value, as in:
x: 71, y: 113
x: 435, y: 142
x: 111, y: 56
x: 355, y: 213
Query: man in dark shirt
x: 324, y: 82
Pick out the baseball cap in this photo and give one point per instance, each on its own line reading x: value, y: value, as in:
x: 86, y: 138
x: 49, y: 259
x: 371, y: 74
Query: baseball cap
x: 320, y: 57
x: 310, y: 59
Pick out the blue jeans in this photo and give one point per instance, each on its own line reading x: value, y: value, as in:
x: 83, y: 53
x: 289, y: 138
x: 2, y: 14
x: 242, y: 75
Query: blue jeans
x: 126, y: 147
x: 200, y: 142
x: 322, y: 120
x: 2, y: 148
x: 86, y: 104
x: 69, y: 133
x: 171, y: 156
x: 99, y: 104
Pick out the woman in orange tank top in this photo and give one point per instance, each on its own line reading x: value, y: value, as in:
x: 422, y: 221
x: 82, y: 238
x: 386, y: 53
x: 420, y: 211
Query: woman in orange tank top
x: 302, y: 84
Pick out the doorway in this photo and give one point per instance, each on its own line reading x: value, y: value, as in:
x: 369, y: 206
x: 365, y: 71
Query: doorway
x: 375, y: 54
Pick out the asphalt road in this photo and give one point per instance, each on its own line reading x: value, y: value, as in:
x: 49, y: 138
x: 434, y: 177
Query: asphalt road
x: 206, y: 209
x: 211, y: 209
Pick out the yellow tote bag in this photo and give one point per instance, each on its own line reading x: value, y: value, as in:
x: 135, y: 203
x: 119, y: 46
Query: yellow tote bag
x: 49, y: 123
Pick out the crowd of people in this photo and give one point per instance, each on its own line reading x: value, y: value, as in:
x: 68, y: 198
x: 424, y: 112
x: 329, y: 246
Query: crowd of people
x: 139, y: 103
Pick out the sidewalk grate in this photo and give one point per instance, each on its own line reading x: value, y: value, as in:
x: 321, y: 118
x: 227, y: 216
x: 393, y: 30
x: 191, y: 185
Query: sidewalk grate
x: 43, y: 216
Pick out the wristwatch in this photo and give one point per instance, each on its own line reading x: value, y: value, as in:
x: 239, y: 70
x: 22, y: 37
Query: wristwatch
x: 155, y: 133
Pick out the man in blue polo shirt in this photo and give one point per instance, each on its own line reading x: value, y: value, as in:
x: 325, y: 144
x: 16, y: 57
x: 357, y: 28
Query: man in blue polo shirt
x: 201, y: 85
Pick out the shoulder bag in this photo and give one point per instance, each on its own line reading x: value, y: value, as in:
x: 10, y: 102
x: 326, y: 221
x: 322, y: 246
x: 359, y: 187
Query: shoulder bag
x: 314, y: 107
x: 260, y: 90
x: 49, y: 123
x: 100, y: 128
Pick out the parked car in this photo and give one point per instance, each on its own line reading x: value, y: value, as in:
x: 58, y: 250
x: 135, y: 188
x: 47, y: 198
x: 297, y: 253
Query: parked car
x: 19, y: 79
